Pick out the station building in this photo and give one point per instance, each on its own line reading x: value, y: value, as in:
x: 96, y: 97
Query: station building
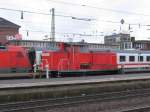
x: 8, y: 31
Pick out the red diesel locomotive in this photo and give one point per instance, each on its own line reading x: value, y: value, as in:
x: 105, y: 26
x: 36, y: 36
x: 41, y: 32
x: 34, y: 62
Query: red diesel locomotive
x: 73, y: 59
x: 14, y: 59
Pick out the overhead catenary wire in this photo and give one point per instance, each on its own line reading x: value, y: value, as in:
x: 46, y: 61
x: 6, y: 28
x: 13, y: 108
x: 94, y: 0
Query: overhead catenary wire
x: 32, y: 12
x: 69, y: 16
x: 99, y: 8
x: 39, y: 26
x: 63, y: 33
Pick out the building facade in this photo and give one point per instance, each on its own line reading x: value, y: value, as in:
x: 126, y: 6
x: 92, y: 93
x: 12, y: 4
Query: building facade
x: 8, y: 30
x: 122, y: 40
x: 142, y: 44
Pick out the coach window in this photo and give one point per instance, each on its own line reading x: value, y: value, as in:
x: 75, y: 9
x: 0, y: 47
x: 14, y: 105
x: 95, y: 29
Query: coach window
x: 122, y: 59
x: 131, y: 58
x: 148, y: 58
x: 140, y: 58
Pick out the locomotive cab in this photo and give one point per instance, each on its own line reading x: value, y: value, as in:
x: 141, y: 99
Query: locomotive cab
x: 32, y: 57
x: 35, y: 58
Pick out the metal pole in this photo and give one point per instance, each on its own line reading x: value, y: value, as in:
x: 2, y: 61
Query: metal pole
x: 53, y: 25
x: 47, y: 71
x: 35, y: 70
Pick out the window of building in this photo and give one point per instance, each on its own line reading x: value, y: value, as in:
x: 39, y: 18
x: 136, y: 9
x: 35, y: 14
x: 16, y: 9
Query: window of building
x: 122, y: 58
x: 148, y: 58
x: 131, y: 58
x: 140, y: 58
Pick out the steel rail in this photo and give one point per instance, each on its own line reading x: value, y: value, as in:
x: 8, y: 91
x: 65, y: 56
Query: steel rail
x: 47, y: 103
x: 138, y: 109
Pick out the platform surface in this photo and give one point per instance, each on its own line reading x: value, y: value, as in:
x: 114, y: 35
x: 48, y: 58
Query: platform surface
x: 70, y: 80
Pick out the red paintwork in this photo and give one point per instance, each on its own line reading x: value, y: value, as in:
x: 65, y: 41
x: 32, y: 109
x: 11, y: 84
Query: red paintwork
x: 14, y: 57
x: 72, y: 59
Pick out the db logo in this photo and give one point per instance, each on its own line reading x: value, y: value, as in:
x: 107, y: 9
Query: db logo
x: 16, y: 37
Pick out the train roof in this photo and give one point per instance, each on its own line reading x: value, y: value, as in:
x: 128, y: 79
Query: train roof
x: 133, y: 51
x: 119, y: 51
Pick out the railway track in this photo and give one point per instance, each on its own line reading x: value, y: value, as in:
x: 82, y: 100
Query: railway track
x: 35, y: 105
x: 138, y: 109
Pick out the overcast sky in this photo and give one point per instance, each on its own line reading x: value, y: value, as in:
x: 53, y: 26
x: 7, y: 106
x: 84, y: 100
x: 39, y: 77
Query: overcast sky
x: 134, y: 12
